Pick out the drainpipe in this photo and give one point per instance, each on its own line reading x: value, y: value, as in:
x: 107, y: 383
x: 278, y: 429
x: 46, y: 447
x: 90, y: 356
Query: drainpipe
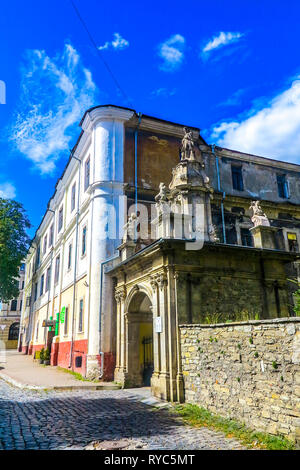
x: 50, y: 286
x: 75, y: 265
x: 101, y: 353
x: 219, y: 189
x: 135, y: 158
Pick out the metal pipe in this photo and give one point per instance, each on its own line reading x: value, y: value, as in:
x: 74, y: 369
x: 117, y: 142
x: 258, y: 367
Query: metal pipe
x: 135, y: 158
x: 101, y: 353
x: 219, y: 189
x: 75, y: 265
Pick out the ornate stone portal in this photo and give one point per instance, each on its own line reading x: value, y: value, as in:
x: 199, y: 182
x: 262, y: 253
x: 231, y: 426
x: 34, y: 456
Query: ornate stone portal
x: 184, y: 210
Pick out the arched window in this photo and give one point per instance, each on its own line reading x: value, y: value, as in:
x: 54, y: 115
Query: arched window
x: 14, y: 331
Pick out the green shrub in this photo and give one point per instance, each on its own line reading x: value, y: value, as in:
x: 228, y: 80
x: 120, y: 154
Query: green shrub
x: 42, y: 354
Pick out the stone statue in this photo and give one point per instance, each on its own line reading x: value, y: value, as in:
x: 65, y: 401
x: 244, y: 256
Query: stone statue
x: 187, y: 145
x: 162, y: 195
x: 259, y: 217
x: 129, y: 228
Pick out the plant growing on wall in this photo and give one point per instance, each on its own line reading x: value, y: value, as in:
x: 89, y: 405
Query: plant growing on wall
x: 296, y: 296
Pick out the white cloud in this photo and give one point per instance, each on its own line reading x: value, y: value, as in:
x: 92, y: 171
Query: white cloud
x: 7, y: 190
x: 272, y: 130
x: 163, y: 92
x: 117, y: 43
x: 172, y: 52
x: 221, y: 40
x: 55, y: 92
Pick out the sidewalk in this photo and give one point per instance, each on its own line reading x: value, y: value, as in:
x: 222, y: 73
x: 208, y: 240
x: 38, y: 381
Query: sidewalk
x: 21, y: 371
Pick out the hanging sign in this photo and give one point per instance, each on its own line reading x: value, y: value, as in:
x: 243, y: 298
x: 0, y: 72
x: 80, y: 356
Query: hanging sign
x: 62, y: 315
x: 158, y: 325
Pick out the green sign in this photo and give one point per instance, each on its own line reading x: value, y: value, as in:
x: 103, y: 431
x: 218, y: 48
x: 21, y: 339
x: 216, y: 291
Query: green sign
x: 62, y: 315
x: 50, y: 327
x: 57, y: 324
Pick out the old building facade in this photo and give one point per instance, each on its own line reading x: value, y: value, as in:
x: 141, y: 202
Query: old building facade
x: 10, y: 315
x: 116, y: 313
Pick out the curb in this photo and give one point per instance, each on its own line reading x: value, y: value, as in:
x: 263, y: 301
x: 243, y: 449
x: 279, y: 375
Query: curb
x: 23, y: 386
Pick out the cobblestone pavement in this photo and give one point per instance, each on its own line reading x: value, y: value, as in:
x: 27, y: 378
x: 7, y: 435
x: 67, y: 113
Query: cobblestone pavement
x: 72, y: 420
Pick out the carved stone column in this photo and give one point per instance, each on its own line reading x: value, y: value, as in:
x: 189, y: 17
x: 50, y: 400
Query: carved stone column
x: 120, y: 369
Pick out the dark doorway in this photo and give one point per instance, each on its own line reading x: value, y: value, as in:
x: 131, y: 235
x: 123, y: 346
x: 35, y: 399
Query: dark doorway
x: 148, y: 359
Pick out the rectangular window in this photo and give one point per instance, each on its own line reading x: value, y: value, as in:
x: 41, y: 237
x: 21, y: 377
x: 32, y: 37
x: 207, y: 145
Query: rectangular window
x: 87, y: 174
x: 70, y: 256
x: 80, y: 320
x: 22, y: 267
x: 42, y: 285
x: 51, y: 233
x: 35, y: 291
x: 83, y: 246
x: 48, y: 279
x: 66, y: 321
x: 13, y: 305
x: 73, y: 195
x: 237, y: 178
x: 246, y: 237
x: 292, y: 241
x: 37, y: 260
x: 56, y: 273
x: 60, y: 218
x: 283, y: 187
x: 45, y: 244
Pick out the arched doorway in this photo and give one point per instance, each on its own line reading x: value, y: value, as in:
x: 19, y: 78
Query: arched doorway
x: 13, y: 333
x: 139, y: 340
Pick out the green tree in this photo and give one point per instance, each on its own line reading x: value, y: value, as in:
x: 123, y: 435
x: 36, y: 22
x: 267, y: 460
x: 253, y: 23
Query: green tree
x: 14, y: 243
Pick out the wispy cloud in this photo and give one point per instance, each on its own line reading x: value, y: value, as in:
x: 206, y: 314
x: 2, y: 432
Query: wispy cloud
x: 172, y: 52
x: 235, y: 99
x: 272, y: 130
x: 163, y: 92
x: 117, y: 43
x: 7, y: 190
x: 54, y: 94
x: 223, y: 39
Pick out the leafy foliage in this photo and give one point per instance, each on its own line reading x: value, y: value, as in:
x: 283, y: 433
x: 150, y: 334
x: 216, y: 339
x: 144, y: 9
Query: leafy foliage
x: 296, y: 296
x: 14, y: 244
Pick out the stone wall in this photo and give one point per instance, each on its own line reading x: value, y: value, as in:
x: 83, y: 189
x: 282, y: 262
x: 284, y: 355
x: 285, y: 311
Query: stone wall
x: 248, y: 371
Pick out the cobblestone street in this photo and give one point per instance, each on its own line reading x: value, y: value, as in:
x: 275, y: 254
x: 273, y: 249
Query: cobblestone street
x: 72, y: 420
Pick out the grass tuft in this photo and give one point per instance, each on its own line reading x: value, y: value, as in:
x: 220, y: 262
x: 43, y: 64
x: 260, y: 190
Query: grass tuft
x: 199, y: 417
x: 76, y: 375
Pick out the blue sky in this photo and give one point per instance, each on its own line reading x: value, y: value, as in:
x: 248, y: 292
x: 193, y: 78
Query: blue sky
x: 231, y: 68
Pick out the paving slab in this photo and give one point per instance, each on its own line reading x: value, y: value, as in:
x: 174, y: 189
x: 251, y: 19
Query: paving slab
x: 23, y: 372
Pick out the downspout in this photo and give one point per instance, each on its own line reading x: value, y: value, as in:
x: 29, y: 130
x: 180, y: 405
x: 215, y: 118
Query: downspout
x: 75, y: 266
x: 219, y: 189
x: 50, y: 286
x: 135, y: 159
x: 101, y: 353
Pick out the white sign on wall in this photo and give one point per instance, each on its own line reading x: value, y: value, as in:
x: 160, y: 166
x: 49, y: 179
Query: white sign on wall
x: 158, y: 325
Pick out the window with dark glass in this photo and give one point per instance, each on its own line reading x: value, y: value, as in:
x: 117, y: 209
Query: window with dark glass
x: 13, y: 305
x: 73, y: 195
x: 87, y: 174
x: 21, y: 303
x: 35, y: 291
x: 37, y: 256
x: 45, y: 244
x: 60, y: 219
x: 282, y: 184
x: 51, y: 233
x: 66, y: 321
x: 237, y: 178
x: 70, y: 256
x: 83, y: 247
x: 57, y: 265
x: 22, y: 267
x: 292, y: 242
x: 48, y: 279
x: 42, y: 285
x: 80, y: 320
x: 246, y: 237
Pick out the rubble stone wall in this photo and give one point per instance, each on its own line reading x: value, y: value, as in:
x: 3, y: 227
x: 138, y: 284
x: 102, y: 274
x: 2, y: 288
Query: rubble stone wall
x: 248, y: 371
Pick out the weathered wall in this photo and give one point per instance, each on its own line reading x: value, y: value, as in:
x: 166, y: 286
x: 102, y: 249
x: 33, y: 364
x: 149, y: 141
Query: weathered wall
x: 248, y: 371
